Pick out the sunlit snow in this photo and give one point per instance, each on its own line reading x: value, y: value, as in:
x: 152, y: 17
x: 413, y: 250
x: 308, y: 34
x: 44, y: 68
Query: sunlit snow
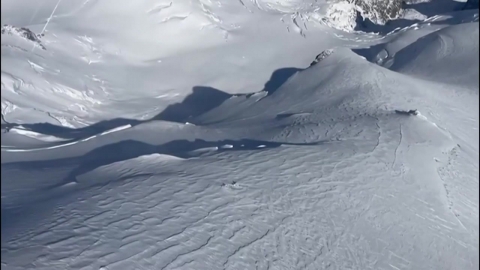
x: 246, y: 134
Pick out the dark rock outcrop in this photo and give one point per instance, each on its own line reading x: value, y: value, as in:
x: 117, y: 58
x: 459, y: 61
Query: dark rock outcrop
x: 409, y: 112
x: 379, y: 11
x: 322, y: 56
x: 22, y: 32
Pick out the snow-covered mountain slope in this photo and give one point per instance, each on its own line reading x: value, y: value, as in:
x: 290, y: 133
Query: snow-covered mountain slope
x: 447, y: 55
x: 200, y: 135
x: 101, y: 54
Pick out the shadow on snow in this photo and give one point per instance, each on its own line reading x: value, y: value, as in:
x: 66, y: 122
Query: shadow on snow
x: 201, y: 100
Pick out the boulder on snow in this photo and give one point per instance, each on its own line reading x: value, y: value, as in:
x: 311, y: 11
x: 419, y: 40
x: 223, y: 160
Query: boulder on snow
x: 322, y: 56
x: 409, y: 112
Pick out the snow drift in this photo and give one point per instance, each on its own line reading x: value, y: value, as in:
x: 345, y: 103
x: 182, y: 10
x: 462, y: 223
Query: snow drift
x: 321, y: 167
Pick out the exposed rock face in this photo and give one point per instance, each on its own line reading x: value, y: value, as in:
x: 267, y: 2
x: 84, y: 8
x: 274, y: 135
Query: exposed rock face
x: 343, y: 14
x: 379, y: 11
x: 22, y: 32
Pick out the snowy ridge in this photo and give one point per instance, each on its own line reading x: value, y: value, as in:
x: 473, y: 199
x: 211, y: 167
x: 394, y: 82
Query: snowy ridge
x: 365, y: 158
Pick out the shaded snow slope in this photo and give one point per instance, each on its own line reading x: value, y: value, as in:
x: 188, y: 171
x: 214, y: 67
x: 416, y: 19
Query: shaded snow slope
x: 449, y: 55
x: 321, y: 173
x: 205, y: 164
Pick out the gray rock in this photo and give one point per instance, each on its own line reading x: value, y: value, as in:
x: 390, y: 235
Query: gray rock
x: 22, y: 32
x: 379, y: 11
x: 322, y: 56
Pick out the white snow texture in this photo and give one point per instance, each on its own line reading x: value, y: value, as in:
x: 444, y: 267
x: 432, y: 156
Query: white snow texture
x: 249, y: 134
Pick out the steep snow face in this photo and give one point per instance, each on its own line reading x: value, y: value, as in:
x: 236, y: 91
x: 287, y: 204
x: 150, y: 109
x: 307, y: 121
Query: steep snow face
x: 236, y: 151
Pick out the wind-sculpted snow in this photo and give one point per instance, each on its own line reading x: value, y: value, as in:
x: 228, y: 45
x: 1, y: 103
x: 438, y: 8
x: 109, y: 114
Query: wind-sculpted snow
x: 321, y: 173
x: 366, y: 159
x: 449, y: 55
